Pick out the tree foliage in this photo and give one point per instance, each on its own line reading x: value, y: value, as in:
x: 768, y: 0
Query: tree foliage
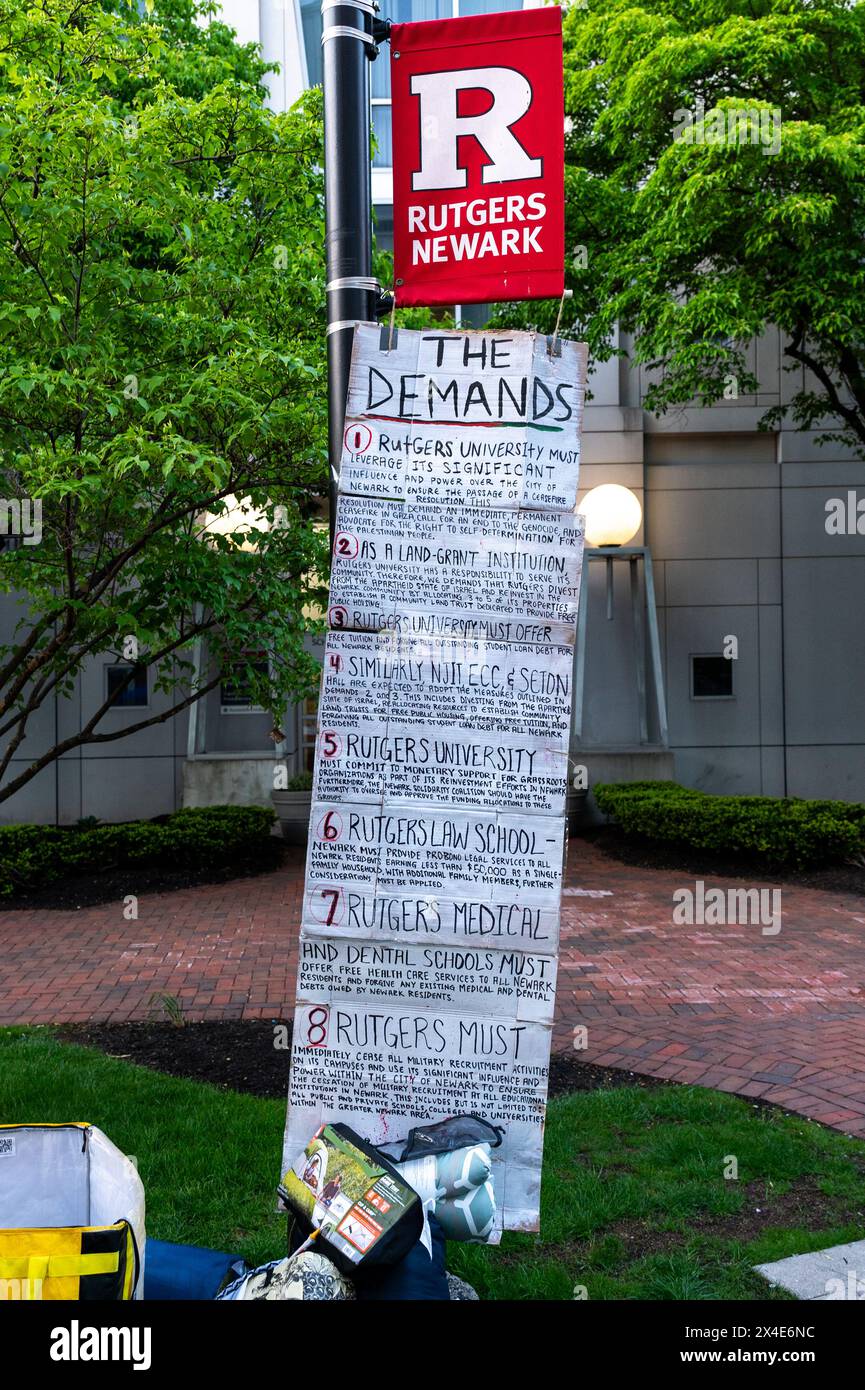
x: 715, y: 186
x: 161, y: 352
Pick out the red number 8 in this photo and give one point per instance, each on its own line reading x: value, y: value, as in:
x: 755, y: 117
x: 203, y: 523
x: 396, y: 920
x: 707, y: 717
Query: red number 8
x: 317, y: 1025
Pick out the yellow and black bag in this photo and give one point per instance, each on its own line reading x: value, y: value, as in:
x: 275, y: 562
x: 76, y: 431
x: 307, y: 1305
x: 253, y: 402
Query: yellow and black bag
x: 69, y: 1262
x: 71, y: 1215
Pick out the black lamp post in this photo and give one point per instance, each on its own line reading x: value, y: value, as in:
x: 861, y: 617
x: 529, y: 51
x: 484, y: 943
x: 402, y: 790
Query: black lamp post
x: 349, y: 35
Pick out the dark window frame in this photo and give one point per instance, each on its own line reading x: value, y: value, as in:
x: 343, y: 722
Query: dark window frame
x: 692, y: 670
x: 229, y: 708
x: 126, y: 701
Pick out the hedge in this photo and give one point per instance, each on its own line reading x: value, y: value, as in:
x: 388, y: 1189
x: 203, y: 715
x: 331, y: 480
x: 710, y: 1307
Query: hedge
x: 198, y: 838
x: 781, y: 831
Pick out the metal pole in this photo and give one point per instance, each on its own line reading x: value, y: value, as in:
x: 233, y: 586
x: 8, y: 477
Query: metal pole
x: 580, y: 664
x: 639, y: 648
x: 655, y: 648
x: 351, y: 293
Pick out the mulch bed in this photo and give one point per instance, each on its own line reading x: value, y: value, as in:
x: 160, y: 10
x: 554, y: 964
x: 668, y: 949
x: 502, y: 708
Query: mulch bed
x: 242, y: 1056
x: 648, y: 854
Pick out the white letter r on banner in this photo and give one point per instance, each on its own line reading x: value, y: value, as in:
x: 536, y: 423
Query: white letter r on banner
x: 438, y: 91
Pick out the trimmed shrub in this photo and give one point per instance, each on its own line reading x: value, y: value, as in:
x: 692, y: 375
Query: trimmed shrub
x: 778, y: 830
x: 301, y: 783
x: 198, y: 839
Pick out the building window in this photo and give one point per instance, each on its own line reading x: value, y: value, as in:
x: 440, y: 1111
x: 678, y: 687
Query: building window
x: 310, y: 22
x: 399, y: 12
x: 131, y: 696
x: 308, y: 731
x: 235, y: 688
x: 711, y: 678
x: 384, y: 226
x: 382, y: 132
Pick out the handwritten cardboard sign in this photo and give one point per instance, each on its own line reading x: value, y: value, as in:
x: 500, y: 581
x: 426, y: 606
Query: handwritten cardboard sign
x: 376, y: 913
x: 382, y: 1067
x: 485, y: 419
x: 480, y: 979
x: 414, y: 765
x: 496, y: 687
x: 424, y: 569
x: 430, y: 919
x: 495, y: 856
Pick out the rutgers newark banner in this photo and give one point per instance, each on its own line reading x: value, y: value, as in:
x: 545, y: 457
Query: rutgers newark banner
x: 478, y: 156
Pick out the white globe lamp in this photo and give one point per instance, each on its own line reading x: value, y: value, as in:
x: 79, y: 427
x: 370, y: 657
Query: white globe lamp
x: 613, y: 515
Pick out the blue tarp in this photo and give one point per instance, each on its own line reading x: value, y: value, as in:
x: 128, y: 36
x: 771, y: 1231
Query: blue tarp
x: 187, y: 1271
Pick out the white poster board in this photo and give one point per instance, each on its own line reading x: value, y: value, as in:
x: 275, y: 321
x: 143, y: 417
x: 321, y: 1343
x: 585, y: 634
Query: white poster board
x: 469, y: 725
x: 430, y: 922
x: 444, y: 684
x: 516, y: 983
x: 492, y: 855
x: 484, y: 419
x: 521, y: 920
x: 446, y: 571
x: 382, y: 1068
x: 414, y: 765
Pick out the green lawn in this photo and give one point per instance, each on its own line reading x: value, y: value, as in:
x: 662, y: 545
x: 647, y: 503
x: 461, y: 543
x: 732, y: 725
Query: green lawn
x: 634, y: 1203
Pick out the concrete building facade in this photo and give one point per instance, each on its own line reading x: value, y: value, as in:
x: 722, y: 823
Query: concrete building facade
x: 740, y: 526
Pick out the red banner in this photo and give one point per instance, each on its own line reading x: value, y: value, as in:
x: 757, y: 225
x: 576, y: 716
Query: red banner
x: 478, y: 158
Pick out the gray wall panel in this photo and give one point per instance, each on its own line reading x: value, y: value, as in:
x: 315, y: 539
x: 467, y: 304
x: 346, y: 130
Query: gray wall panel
x: 122, y: 788
x: 728, y: 771
x: 701, y: 631
x: 610, y: 711
x: 769, y: 580
x: 36, y: 801
x: 693, y: 583
x: 722, y: 523
x: 771, y: 675
x: 827, y: 772
x: 772, y: 770
x: 805, y: 518
x: 824, y: 641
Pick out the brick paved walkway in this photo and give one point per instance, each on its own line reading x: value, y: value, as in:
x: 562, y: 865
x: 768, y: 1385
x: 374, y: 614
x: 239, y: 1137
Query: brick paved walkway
x: 778, y: 1017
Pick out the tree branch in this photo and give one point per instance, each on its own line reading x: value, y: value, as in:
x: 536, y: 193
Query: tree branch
x: 847, y: 413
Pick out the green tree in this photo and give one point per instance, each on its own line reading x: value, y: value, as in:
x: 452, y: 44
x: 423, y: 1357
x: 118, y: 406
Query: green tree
x: 715, y: 185
x: 161, y: 353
